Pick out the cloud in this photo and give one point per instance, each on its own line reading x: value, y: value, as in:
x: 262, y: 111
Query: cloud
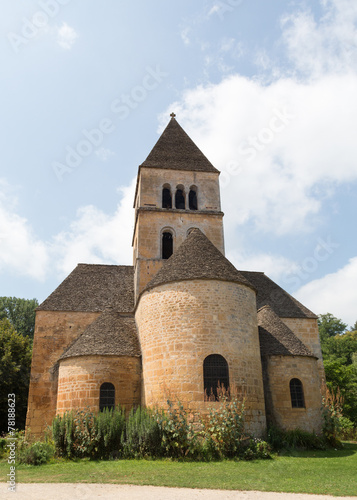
x: 104, y: 154
x: 335, y: 293
x: 66, y: 36
x: 20, y: 250
x: 95, y: 237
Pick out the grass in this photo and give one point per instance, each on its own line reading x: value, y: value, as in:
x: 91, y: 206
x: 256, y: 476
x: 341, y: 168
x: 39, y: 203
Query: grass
x: 330, y: 472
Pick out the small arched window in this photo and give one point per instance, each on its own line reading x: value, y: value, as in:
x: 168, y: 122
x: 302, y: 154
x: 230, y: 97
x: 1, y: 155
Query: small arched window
x: 215, y: 375
x: 166, y: 197
x: 107, y: 396
x: 180, y: 198
x: 192, y: 198
x: 296, y: 393
x: 167, y: 245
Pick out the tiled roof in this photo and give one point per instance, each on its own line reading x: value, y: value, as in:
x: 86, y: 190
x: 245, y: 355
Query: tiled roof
x: 110, y: 334
x: 276, y: 338
x: 94, y: 288
x: 175, y: 150
x: 197, y: 258
x: 269, y: 293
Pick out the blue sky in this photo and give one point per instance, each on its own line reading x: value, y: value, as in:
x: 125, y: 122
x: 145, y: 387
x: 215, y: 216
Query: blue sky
x: 267, y: 90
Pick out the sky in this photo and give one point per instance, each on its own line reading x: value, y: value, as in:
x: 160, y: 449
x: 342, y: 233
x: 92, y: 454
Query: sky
x: 267, y: 90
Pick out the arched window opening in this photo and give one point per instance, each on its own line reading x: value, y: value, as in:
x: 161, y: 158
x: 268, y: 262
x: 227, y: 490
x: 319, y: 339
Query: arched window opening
x: 167, y: 245
x: 192, y: 198
x: 107, y: 396
x: 180, y: 198
x: 166, y: 197
x: 297, y: 393
x: 215, y: 376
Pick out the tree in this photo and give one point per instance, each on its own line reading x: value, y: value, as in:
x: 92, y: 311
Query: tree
x: 354, y: 327
x: 15, y: 365
x: 20, y: 313
x: 329, y: 326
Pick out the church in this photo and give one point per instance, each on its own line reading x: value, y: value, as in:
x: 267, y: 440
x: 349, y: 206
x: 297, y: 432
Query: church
x: 181, y: 320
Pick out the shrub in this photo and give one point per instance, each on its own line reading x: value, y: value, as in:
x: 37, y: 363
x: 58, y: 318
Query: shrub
x: 296, y: 438
x: 347, y: 430
x: 143, y: 434
x: 332, y: 404
x: 36, y: 454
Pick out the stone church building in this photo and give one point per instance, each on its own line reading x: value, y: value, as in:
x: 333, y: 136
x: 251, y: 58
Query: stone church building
x: 178, y: 321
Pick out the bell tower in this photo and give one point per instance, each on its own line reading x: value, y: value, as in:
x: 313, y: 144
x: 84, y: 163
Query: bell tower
x: 177, y: 190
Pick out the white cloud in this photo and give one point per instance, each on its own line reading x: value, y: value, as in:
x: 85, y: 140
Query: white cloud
x: 95, y: 237
x: 66, y: 36
x: 104, y: 154
x: 20, y: 250
x: 335, y: 293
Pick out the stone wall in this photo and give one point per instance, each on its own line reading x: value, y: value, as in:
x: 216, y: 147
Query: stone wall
x: 307, y: 330
x: 180, y: 324
x: 278, y: 371
x: 54, y: 331
x: 80, y: 378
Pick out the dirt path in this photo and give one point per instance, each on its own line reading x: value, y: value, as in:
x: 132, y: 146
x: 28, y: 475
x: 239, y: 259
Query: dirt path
x: 81, y: 491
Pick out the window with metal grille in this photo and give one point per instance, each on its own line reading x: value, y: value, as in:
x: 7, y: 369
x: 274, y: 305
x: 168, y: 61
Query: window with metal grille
x: 215, y: 375
x: 167, y: 245
x: 296, y: 393
x: 107, y: 396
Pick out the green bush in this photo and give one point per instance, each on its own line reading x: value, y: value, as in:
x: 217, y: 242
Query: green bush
x: 297, y: 438
x: 36, y: 454
x: 347, y: 430
x: 143, y: 434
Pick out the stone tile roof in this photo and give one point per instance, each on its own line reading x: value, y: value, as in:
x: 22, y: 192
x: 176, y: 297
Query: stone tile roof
x: 276, y: 338
x: 197, y: 258
x: 110, y: 334
x: 175, y: 150
x: 93, y: 288
x: 269, y: 293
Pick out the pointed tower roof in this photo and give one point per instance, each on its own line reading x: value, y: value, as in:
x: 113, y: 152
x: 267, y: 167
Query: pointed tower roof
x: 176, y: 151
x: 276, y: 338
x: 197, y: 258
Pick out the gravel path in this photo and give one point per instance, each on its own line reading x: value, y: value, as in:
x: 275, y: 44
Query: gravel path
x: 81, y: 491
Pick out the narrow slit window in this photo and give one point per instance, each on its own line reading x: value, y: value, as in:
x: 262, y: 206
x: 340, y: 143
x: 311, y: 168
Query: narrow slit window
x: 215, y: 376
x: 297, y: 393
x: 167, y: 245
x: 107, y: 396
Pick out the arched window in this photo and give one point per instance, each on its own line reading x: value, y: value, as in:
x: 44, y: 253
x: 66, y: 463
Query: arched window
x: 215, y: 374
x: 297, y: 393
x: 192, y: 198
x: 166, y: 197
x: 107, y: 396
x: 167, y: 245
x: 180, y: 198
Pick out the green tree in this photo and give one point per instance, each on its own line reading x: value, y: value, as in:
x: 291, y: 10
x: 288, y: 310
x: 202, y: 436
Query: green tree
x: 354, y: 327
x: 20, y: 313
x: 15, y: 365
x: 329, y: 326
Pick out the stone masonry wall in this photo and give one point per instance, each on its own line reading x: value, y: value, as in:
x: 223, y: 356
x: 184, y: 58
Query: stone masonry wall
x: 180, y: 324
x: 307, y: 330
x: 278, y: 371
x: 80, y: 378
x: 54, y: 331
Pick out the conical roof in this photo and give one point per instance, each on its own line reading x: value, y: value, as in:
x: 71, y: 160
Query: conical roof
x: 197, y: 258
x: 111, y: 334
x: 176, y: 151
x: 276, y: 338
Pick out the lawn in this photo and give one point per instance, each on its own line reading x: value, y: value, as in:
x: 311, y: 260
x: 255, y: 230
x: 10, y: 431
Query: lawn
x: 331, y: 472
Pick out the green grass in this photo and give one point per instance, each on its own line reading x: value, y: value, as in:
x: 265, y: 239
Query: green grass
x: 331, y: 472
